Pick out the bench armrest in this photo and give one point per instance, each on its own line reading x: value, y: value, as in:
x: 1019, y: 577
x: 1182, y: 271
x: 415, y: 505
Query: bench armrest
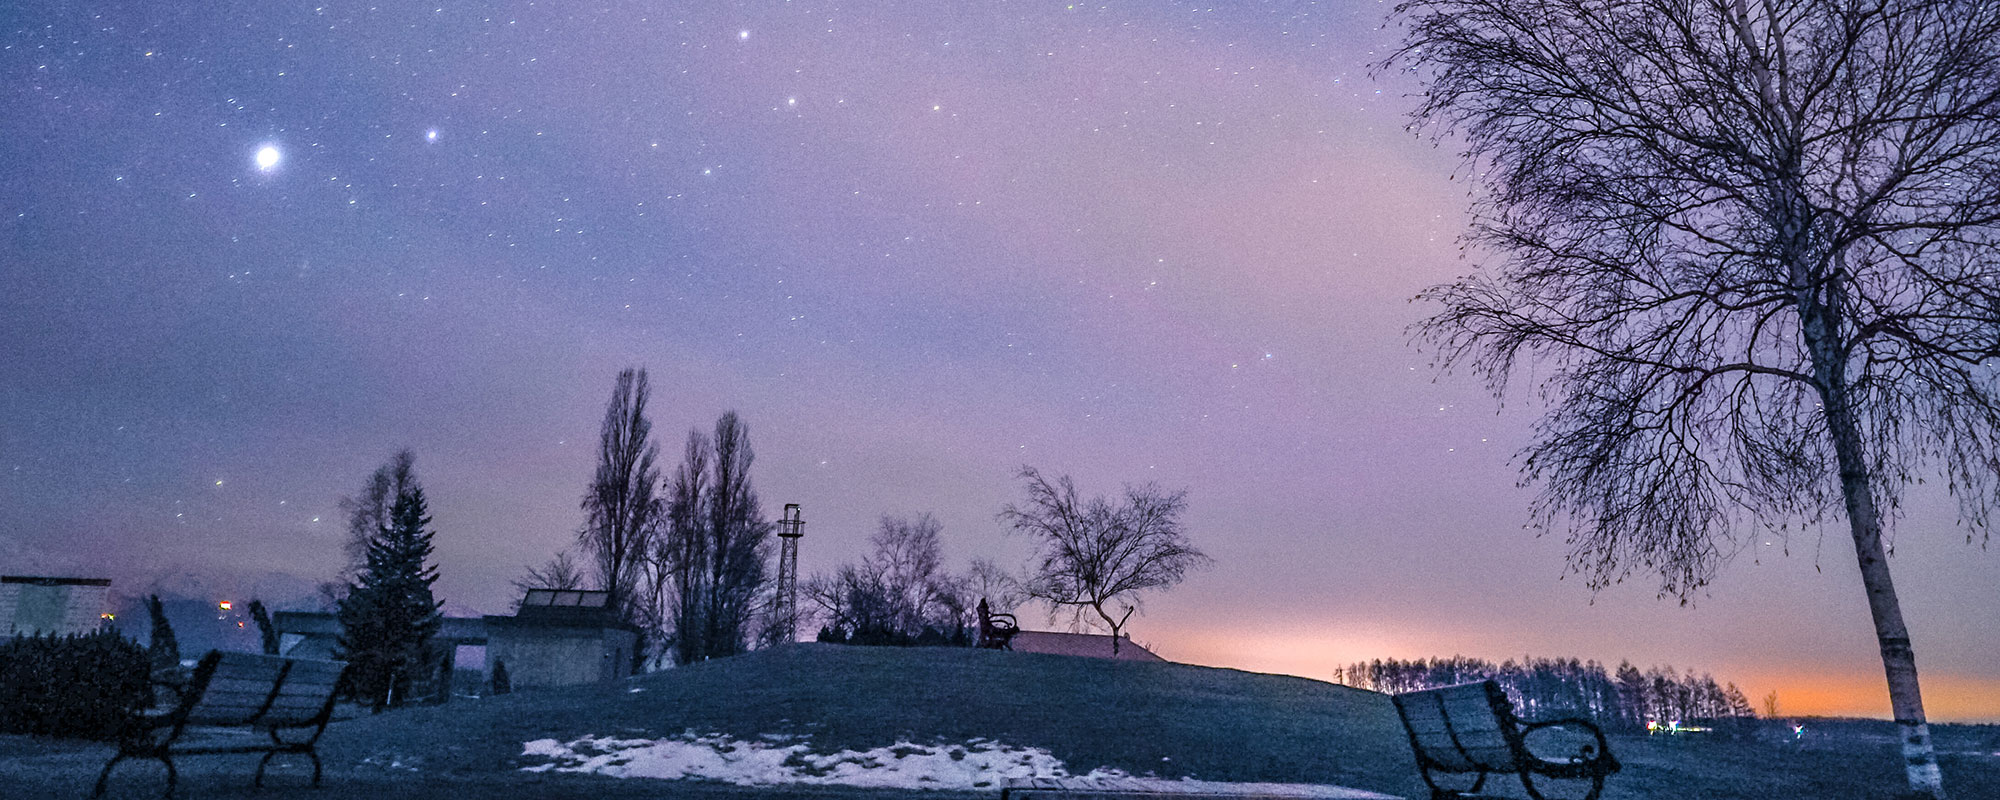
x: 1598, y: 756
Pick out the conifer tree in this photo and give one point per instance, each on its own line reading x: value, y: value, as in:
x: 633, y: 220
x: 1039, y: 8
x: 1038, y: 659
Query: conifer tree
x: 267, y: 633
x: 389, y: 615
x: 164, y: 652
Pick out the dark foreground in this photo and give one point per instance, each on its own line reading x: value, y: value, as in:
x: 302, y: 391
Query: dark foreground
x: 1170, y: 720
x: 1656, y: 769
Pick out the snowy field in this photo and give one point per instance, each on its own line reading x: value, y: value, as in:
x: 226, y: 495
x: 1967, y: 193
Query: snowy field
x: 977, y: 764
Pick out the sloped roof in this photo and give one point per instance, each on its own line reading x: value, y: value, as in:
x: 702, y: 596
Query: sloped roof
x: 1088, y: 645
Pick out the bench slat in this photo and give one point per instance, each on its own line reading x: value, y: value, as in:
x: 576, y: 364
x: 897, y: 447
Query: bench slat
x: 254, y: 666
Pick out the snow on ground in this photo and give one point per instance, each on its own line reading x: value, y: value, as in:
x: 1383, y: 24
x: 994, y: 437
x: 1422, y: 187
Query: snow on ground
x: 977, y: 764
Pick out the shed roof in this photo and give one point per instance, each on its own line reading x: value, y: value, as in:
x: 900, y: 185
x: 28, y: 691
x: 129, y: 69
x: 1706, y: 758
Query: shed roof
x: 1088, y: 645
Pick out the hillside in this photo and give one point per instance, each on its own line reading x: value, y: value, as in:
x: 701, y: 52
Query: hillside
x: 1172, y: 720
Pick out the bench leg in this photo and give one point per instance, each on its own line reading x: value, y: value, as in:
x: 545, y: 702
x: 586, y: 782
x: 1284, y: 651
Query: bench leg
x: 173, y: 776
x: 1596, y: 787
x: 106, y: 775
x: 310, y: 753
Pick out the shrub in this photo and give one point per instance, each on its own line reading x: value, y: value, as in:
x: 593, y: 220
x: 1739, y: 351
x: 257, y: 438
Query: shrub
x: 72, y: 686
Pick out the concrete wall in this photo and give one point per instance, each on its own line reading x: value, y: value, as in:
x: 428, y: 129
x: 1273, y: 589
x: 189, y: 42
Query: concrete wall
x: 68, y: 607
x: 559, y: 656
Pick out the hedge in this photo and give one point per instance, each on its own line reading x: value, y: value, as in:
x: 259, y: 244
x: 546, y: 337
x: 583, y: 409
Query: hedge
x: 71, y: 686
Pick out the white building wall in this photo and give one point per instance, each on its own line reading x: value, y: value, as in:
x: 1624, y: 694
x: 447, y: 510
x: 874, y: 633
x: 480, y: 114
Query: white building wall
x: 62, y: 606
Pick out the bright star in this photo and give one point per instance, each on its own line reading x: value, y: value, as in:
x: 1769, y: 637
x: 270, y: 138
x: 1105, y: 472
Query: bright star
x: 268, y: 157
x: 431, y: 135
x: 743, y: 35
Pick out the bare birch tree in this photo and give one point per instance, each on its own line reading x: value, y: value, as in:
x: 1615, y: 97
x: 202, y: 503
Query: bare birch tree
x: 1093, y: 554
x: 1751, y: 249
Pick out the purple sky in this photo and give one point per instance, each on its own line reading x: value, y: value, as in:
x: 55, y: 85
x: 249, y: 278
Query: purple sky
x: 915, y: 245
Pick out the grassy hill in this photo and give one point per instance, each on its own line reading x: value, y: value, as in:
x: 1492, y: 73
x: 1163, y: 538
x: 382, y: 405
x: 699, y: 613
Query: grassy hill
x: 1172, y: 720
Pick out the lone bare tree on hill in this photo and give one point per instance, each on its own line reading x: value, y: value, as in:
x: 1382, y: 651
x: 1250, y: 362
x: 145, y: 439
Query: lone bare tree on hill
x: 1094, y: 554
x: 1752, y: 248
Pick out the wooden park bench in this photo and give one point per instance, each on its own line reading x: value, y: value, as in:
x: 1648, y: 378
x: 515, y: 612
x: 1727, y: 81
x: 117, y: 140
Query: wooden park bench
x: 996, y: 631
x: 243, y: 694
x: 1471, y: 728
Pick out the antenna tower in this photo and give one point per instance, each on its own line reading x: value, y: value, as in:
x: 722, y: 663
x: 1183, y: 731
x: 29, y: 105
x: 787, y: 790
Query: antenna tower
x: 790, y: 528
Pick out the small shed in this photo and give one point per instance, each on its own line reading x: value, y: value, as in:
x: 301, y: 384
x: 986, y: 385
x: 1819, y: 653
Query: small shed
x: 1088, y: 645
x: 31, y: 606
x: 561, y: 637
x: 316, y: 634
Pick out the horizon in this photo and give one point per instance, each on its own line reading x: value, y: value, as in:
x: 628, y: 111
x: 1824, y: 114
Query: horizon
x: 249, y: 254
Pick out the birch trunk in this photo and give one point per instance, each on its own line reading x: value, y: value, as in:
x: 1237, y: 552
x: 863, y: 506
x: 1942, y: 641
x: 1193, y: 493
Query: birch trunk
x: 1864, y: 518
x: 1899, y: 661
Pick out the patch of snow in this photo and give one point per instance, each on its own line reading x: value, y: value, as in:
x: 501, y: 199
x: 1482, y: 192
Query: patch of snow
x: 392, y: 761
x: 977, y: 764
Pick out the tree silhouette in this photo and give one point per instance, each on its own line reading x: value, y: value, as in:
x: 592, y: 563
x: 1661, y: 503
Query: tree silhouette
x: 389, y: 615
x: 1093, y: 554
x: 1750, y: 248
x: 623, y: 513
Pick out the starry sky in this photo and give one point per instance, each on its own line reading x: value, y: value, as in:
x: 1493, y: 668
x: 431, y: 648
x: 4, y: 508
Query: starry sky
x: 250, y: 249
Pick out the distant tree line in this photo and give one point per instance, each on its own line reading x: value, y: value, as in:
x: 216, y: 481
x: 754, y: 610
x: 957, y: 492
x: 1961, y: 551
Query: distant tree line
x: 1544, y: 688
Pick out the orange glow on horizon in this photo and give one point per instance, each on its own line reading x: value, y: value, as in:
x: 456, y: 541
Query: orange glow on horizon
x: 1315, y: 652
x: 1947, y: 698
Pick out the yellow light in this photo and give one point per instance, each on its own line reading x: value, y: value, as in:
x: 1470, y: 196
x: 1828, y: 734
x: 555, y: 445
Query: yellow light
x: 226, y: 605
x: 107, y: 615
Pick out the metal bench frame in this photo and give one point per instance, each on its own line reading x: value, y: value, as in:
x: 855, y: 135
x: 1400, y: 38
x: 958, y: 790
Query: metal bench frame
x: 1453, y: 730
x: 996, y: 631
x: 301, y: 707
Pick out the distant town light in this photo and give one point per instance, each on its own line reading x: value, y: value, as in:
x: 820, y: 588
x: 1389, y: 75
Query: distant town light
x: 225, y: 605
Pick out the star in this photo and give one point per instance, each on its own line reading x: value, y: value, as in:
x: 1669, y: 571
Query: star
x: 431, y: 135
x: 268, y: 157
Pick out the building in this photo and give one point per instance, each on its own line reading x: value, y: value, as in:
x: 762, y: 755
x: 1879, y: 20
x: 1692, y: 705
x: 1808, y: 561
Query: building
x: 316, y: 634
x: 561, y: 637
x: 1088, y: 645
x: 31, y: 606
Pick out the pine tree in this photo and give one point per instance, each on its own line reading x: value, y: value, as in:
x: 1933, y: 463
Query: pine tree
x: 390, y: 615
x: 266, y: 632
x: 164, y: 652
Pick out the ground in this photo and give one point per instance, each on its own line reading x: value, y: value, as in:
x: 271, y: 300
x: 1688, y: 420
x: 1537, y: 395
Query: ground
x: 1166, y: 719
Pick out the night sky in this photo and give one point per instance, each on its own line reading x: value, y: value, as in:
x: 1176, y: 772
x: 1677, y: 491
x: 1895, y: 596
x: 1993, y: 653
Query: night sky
x: 248, y: 250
